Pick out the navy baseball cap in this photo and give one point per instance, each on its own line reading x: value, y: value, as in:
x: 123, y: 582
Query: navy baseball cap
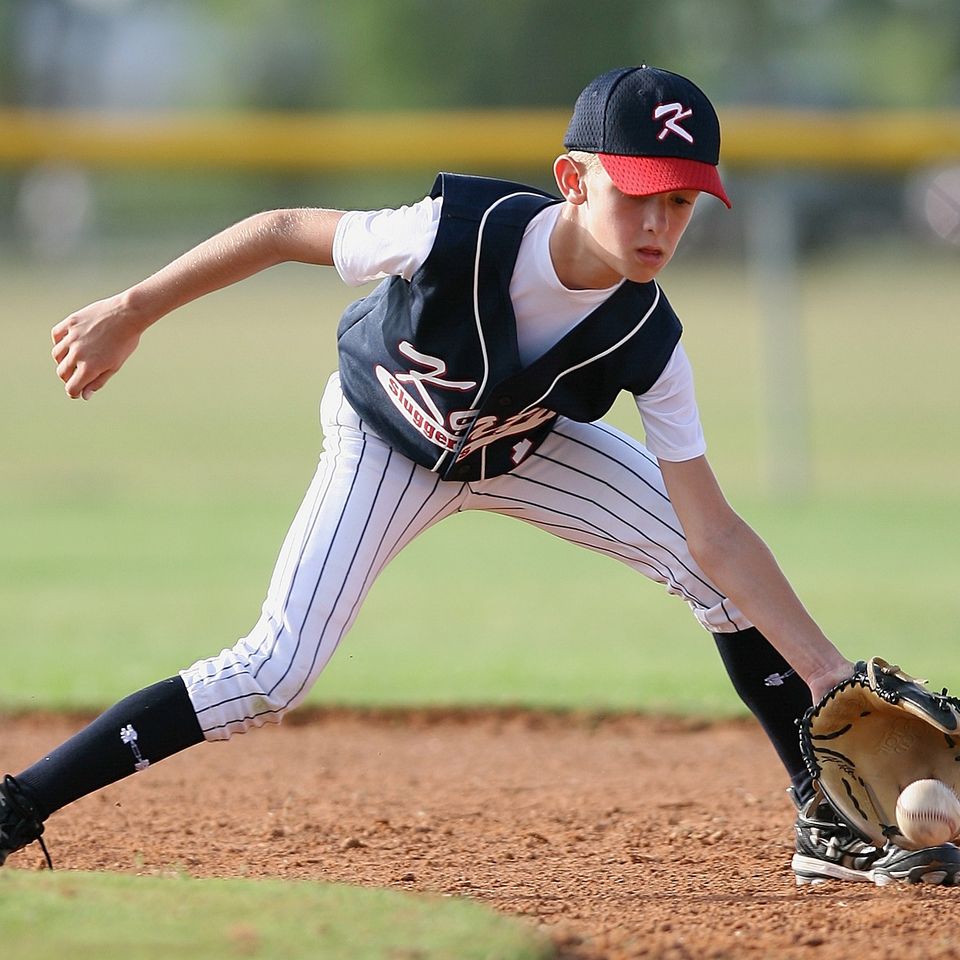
x: 653, y: 131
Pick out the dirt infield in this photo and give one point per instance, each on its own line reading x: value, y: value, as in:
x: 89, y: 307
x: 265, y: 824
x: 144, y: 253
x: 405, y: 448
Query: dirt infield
x: 622, y: 837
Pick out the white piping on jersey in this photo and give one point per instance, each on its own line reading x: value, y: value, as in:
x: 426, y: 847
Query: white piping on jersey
x: 603, y: 353
x: 476, y: 300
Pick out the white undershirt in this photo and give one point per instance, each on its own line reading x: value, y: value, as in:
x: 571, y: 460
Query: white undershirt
x: 372, y: 245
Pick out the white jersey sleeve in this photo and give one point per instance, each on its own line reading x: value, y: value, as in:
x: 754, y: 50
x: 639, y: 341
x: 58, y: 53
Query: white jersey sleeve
x: 671, y: 420
x: 371, y: 245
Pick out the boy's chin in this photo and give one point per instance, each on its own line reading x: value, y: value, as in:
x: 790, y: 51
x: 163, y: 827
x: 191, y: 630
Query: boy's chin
x: 643, y: 275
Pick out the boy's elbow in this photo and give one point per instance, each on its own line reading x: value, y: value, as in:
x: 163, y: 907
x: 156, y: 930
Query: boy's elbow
x: 301, y: 234
x: 706, y: 552
x: 278, y: 230
x: 714, y: 547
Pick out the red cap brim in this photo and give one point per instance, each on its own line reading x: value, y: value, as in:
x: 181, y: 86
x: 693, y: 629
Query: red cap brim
x: 642, y: 176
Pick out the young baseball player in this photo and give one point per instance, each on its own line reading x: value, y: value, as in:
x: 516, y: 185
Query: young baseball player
x: 474, y: 377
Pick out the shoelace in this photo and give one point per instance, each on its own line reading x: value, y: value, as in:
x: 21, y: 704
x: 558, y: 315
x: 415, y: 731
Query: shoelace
x: 22, y: 806
x: 46, y: 853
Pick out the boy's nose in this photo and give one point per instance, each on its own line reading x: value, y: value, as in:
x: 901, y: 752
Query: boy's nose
x: 654, y: 215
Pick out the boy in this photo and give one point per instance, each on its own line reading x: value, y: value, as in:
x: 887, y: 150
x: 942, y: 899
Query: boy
x: 473, y: 377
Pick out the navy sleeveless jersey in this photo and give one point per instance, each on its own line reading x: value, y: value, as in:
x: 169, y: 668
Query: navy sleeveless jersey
x: 432, y: 364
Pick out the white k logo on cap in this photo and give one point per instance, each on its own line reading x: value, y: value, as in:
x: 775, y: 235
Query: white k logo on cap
x: 674, y: 112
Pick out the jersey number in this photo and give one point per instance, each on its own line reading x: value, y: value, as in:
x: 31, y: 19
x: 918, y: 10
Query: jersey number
x: 520, y: 450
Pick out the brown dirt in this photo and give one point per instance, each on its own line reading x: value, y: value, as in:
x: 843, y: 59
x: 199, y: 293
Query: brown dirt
x: 620, y: 837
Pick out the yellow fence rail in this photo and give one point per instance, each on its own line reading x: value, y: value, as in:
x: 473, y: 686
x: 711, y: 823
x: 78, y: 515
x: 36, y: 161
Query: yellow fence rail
x: 475, y: 140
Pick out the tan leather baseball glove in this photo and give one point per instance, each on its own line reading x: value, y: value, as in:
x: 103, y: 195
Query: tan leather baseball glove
x: 871, y: 736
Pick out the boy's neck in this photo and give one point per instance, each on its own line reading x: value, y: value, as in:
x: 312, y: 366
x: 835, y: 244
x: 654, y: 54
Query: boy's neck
x: 574, y: 261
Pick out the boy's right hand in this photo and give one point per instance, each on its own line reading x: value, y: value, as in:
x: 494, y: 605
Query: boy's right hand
x: 92, y: 344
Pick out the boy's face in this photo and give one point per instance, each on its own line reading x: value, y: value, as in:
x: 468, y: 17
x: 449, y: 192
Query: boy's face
x: 626, y: 236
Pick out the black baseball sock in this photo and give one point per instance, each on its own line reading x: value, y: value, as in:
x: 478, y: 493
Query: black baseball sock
x: 141, y: 729
x: 776, y: 696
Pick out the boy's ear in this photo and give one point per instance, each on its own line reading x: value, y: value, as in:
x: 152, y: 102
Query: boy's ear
x: 571, y: 178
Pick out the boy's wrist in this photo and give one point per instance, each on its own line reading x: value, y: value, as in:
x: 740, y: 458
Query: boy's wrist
x: 139, y: 307
x: 822, y: 682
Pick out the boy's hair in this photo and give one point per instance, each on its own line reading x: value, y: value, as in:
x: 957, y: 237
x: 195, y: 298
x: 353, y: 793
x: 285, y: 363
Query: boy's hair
x: 590, y: 161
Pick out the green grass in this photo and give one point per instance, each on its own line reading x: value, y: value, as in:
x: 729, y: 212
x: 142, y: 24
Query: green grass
x: 84, y: 916
x: 139, y: 530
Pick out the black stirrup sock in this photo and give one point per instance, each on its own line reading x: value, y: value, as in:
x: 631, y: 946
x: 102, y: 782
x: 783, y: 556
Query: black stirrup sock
x: 141, y: 729
x: 776, y: 696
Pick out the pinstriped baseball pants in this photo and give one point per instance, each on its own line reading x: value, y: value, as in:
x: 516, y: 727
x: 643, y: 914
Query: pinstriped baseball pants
x: 587, y: 483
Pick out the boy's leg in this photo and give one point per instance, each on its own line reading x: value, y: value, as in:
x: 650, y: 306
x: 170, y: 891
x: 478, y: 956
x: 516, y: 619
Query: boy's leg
x: 364, y: 505
x: 597, y: 487
x: 141, y: 729
x: 776, y: 696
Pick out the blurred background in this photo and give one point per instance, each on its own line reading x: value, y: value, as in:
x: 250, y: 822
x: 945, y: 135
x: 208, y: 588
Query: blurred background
x: 821, y: 312
x: 230, y: 57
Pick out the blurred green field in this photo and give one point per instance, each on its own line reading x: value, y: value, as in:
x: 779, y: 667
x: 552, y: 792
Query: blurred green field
x: 139, y: 529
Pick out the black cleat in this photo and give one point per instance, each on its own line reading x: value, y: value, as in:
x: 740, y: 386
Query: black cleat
x: 829, y: 850
x: 20, y: 821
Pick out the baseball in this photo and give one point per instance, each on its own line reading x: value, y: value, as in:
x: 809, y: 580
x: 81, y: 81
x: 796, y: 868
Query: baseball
x: 928, y: 813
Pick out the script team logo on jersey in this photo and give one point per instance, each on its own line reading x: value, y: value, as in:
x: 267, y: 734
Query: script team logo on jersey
x: 421, y: 411
x: 674, y: 113
x: 487, y: 430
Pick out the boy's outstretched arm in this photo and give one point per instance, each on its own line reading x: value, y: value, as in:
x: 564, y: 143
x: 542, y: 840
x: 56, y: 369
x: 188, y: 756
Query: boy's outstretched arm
x: 92, y: 344
x: 742, y: 566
